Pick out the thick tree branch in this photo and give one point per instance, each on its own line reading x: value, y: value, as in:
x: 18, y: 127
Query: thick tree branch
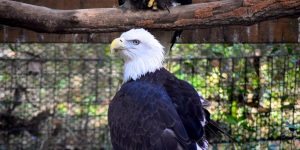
x: 202, y: 15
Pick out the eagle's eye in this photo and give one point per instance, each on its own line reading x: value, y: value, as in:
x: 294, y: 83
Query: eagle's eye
x: 135, y: 42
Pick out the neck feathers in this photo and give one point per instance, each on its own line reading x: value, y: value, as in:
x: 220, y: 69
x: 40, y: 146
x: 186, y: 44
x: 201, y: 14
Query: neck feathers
x: 134, y: 69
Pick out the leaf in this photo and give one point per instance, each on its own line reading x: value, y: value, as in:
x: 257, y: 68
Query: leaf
x: 62, y: 108
x: 290, y: 50
x: 62, y: 84
x: 230, y: 119
x: 234, y: 109
x: 274, y: 50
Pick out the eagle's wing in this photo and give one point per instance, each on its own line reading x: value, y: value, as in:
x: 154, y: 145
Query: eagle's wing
x: 189, y: 107
x: 142, y: 116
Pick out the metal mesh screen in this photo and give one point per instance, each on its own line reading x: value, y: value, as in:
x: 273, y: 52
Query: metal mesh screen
x: 255, y: 98
x: 59, y: 98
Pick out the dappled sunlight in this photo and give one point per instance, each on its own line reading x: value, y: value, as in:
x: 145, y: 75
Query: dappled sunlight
x: 253, y: 98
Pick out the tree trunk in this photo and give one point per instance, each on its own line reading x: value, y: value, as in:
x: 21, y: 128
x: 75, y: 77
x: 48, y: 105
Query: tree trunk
x: 202, y: 15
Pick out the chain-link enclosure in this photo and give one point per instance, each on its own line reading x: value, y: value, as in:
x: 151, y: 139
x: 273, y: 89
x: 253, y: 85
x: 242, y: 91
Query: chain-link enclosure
x: 56, y: 96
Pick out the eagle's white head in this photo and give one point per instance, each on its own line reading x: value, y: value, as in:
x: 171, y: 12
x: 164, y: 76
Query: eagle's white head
x: 141, y: 52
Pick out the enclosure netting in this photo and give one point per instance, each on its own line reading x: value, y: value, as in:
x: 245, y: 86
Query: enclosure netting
x: 56, y: 96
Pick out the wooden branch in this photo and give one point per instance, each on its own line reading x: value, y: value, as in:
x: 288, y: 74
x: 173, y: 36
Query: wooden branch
x: 202, y: 15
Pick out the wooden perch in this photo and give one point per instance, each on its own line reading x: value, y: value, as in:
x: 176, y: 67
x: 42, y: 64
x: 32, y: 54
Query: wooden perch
x: 201, y: 15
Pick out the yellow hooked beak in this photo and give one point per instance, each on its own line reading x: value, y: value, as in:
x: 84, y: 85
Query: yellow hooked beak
x: 116, y: 45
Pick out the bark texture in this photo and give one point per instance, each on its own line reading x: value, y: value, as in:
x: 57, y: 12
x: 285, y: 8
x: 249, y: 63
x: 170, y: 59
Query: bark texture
x: 201, y: 15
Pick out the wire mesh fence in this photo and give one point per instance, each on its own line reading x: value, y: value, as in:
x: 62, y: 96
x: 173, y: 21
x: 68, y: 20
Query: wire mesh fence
x: 51, y: 102
x: 257, y: 98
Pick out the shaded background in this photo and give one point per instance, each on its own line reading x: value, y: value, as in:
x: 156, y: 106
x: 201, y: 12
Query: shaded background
x: 55, y: 96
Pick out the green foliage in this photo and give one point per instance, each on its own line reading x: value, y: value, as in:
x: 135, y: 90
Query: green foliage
x: 254, y: 99
x: 250, y: 92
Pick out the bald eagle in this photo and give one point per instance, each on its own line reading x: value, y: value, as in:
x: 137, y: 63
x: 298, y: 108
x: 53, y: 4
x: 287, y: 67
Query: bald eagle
x: 152, y: 4
x: 154, y: 110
